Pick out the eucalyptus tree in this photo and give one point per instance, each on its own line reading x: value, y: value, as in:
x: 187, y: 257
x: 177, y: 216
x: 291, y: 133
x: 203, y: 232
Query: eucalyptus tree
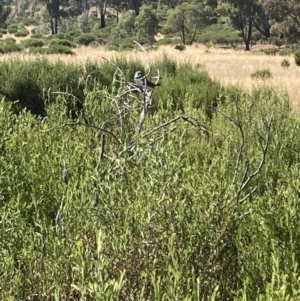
x: 146, y: 24
x: 286, y: 17
x: 53, y: 8
x: 242, y: 15
x: 186, y: 19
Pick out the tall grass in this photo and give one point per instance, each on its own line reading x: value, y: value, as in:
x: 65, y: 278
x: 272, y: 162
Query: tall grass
x: 164, y: 224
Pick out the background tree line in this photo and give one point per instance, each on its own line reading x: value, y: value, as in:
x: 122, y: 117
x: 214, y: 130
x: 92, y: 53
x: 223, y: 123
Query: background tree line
x: 145, y: 18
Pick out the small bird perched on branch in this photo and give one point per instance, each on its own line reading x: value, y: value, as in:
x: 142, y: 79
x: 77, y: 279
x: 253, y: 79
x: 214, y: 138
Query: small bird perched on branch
x: 140, y: 79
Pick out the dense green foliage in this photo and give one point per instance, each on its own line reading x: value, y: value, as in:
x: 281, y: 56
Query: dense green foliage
x: 170, y: 223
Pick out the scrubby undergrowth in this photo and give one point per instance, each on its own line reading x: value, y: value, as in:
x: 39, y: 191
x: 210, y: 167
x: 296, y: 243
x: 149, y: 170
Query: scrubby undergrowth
x: 170, y: 223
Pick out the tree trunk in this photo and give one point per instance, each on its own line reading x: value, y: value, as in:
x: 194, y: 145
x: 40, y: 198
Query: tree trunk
x: 183, y: 34
x: 102, y: 9
x: 52, y: 26
x: 53, y: 10
x: 249, y: 34
x: 55, y: 25
x: 136, y: 6
x: 102, y: 20
x: 33, y: 9
x: 194, y: 36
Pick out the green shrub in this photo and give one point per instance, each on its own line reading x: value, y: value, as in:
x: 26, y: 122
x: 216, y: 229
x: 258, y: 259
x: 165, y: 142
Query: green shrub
x: 21, y: 33
x: 8, y: 48
x: 13, y: 28
x: 62, y: 42
x: 53, y: 49
x: 269, y: 51
x: 175, y: 209
x: 36, y: 36
x: 25, y: 21
x: 86, y: 38
x: 3, y: 31
x: 277, y: 41
x: 285, y: 63
x: 297, y: 57
x: 261, y: 74
x: 165, y: 41
x: 286, y: 51
x: 112, y: 46
x: 74, y: 33
x: 64, y: 36
x: 9, y: 41
x: 31, y: 43
x: 218, y: 34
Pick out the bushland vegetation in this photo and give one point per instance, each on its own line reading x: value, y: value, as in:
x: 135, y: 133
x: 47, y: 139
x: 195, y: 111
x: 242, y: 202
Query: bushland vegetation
x: 115, y: 23
x: 200, y: 203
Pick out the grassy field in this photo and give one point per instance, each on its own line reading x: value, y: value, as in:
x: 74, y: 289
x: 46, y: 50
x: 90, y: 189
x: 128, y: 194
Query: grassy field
x: 228, y: 66
x: 200, y: 203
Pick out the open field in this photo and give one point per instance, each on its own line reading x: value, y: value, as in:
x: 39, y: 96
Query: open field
x: 227, y: 66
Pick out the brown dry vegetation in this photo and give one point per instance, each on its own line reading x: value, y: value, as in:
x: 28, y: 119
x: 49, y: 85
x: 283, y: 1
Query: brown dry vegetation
x: 227, y: 66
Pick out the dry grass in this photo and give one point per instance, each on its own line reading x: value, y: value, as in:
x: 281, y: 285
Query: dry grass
x: 227, y: 66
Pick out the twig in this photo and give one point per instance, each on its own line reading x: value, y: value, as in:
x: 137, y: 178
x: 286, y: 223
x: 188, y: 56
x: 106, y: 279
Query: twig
x: 247, y: 180
x: 185, y: 118
x: 149, y: 60
x: 146, y: 106
x: 102, y: 147
x: 239, y: 156
x: 58, y: 216
x: 162, y: 136
x: 65, y: 173
x: 86, y: 125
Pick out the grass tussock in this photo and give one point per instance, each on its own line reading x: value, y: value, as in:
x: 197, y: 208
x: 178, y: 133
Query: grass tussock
x: 191, y: 214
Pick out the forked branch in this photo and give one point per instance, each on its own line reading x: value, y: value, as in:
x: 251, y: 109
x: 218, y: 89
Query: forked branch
x: 246, y: 178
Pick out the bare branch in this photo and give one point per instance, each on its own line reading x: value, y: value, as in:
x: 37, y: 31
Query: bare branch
x: 239, y: 156
x: 65, y: 173
x: 157, y: 77
x: 185, y: 118
x: 147, y: 104
x: 102, y: 147
x: 58, y: 216
x: 225, y: 115
x: 162, y: 136
x: 148, y: 57
x: 247, y: 180
x: 86, y: 125
x: 248, y: 195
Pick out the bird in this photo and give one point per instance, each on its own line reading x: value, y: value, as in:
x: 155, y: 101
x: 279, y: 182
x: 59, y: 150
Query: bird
x: 139, y: 80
